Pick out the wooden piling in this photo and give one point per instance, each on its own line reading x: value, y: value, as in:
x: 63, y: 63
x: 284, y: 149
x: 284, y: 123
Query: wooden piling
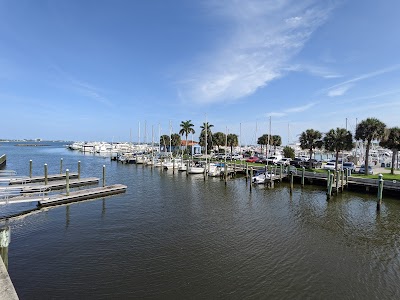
x: 291, y: 182
x: 67, y: 181
x: 380, y: 192
x: 302, y: 176
x: 30, y: 168
x: 330, y: 184
x: 45, y: 174
x: 251, y: 177
x: 342, y: 180
x: 104, y: 175
x: 247, y: 172
x: 61, y: 165
x: 79, y: 169
x: 337, y: 181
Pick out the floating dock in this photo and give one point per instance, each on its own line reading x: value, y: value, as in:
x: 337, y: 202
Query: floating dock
x: 35, y: 179
x: 86, y: 194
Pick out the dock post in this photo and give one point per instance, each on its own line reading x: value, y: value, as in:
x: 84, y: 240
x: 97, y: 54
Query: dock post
x: 30, y: 168
x: 251, y: 177
x: 328, y: 178
x: 61, y: 165
x: 330, y: 183
x: 380, y: 192
x: 4, y: 242
x: 79, y: 169
x: 342, y: 179
x: 247, y: 172
x: 337, y: 181
x: 173, y: 166
x: 45, y: 174
x: 281, y: 173
x: 302, y: 176
x: 226, y: 173
x: 104, y: 175
x: 67, y: 182
x: 291, y: 183
x: 347, y: 178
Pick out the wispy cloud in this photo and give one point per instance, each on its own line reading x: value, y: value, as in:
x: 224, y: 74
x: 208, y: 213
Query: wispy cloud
x: 300, y: 108
x: 291, y: 110
x: 349, y: 83
x: 314, y: 70
x: 265, y: 36
x: 339, y: 91
x: 83, y: 88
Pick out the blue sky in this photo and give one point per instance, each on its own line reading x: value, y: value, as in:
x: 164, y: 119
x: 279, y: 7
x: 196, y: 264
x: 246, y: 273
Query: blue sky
x: 92, y: 70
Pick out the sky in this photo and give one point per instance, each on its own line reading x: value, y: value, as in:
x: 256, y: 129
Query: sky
x: 103, y: 70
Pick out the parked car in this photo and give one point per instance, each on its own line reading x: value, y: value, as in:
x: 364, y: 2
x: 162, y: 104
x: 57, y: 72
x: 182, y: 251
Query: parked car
x: 349, y: 166
x: 284, y: 161
x: 297, y: 162
x: 253, y: 159
x: 273, y: 160
x: 362, y: 170
x: 329, y: 166
x: 312, y: 163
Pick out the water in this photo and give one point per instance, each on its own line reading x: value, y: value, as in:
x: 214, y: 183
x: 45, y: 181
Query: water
x: 172, y: 236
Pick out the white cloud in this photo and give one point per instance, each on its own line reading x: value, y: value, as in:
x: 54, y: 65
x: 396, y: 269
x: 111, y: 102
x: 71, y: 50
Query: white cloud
x: 349, y: 83
x: 300, y: 108
x: 265, y: 36
x: 276, y: 114
x: 339, y: 91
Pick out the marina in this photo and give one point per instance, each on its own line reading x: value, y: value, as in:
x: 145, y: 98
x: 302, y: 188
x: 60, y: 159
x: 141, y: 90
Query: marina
x: 174, y: 233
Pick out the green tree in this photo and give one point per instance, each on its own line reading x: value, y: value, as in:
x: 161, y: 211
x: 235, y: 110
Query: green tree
x: 219, y: 139
x: 310, y: 139
x: 164, y: 141
x: 288, y: 152
x: 209, y: 136
x: 368, y: 130
x: 264, y: 140
x: 233, y: 140
x: 338, y: 140
x: 391, y: 140
x: 176, y: 140
x: 186, y: 129
x: 276, y: 142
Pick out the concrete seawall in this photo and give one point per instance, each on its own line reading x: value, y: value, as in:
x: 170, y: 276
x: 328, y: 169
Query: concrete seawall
x: 7, y: 290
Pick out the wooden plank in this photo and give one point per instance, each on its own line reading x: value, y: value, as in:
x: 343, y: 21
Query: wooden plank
x: 36, y: 179
x: 58, y: 185
x: 84, y: 195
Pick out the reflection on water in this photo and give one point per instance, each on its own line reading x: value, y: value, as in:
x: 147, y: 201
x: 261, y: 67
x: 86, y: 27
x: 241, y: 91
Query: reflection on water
x: 178, y: 236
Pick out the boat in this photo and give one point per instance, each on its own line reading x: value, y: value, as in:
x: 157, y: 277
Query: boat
x: 261, y: 176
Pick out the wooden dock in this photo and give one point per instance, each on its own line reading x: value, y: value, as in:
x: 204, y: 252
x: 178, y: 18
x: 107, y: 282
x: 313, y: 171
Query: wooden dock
x: 44, y: 199
x: 86, y: 194
x: 58, y: 185
x: 35, y: 179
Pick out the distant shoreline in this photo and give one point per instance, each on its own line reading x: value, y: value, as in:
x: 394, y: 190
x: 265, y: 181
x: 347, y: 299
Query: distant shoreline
x: 31, y: 145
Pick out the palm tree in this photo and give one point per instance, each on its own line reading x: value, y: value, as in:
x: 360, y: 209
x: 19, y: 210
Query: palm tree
x: 263, y: 140
x: 233, y: 141
x: 288, y: 152
x: 276, y: 142
x: 203, y: 136
x: 368, y: 130
x: 391, y: 140
x: 164, y: 140
x: 310, y: 139
x: 186, y: 129
x: 175, y: 140
x: 338, y: 140
x: 219, y: 139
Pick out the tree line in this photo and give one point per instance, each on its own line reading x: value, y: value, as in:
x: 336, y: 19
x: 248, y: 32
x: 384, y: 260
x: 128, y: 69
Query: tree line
x: 335, y: 140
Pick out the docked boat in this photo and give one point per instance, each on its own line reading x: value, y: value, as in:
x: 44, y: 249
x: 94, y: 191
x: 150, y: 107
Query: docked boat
x: 261, y: 177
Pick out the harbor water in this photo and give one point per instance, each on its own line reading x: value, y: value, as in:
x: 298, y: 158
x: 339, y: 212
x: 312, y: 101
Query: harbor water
x: 172, y: 236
